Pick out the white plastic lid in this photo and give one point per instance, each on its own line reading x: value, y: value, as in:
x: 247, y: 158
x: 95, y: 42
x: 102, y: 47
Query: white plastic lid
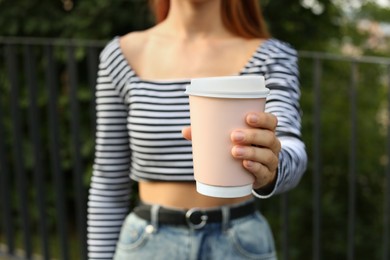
x: 224, y: 191
x: 249, y: 86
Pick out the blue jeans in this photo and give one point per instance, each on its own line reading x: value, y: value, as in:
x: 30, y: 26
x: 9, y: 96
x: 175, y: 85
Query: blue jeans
x: 248, y: 237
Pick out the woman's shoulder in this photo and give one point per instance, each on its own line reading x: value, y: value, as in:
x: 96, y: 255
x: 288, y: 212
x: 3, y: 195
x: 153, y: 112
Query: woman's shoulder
x: 133, y: 42
x: 125, y: 46
x: 277, y: 46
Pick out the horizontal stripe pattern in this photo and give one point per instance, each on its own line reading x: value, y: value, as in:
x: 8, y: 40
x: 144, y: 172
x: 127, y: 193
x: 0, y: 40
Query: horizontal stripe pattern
x: 138, y: 134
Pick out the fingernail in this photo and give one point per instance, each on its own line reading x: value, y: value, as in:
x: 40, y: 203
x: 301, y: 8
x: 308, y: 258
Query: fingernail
x: 238, y: 136
x: 252, y: 118
x: 249, y: 164
x: 239, y: 151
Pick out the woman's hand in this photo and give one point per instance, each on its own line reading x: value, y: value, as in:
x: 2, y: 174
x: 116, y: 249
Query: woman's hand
x: 258, y: 147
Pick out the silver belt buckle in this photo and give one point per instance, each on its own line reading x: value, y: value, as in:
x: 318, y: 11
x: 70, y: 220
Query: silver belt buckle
x: 203, y: 218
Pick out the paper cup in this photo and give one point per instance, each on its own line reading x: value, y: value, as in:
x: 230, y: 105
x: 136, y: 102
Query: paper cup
x: 219, y: 105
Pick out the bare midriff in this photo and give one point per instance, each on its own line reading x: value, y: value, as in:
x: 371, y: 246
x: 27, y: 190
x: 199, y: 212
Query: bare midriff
x: 181, y: 195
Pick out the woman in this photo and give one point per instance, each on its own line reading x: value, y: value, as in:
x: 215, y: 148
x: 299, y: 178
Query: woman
x: 143, y: 114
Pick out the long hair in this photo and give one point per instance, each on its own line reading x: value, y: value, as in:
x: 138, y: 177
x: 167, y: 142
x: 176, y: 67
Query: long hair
x: 241, y: 17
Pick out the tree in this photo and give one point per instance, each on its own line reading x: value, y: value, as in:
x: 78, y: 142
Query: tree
x: 102, y: 19
x: 98, y: 19
x: 306, y: 27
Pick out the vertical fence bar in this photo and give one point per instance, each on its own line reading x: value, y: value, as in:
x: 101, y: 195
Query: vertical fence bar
x: 34, y: 124
x: 285, y: 227
x: 76, y: 147
x: 386, y: 219
x: 5, y: 188
x: 5, y: 192
x: 92, y: 75
x: 12, y: 68
x: 52, y: 85
x: 317, y: 74
x: 352, y: 165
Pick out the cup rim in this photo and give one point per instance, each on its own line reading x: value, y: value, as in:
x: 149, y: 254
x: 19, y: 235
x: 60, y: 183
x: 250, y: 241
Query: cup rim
x: 245, y: 86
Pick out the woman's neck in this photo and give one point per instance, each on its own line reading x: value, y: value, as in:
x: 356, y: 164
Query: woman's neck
x: 195, y: 19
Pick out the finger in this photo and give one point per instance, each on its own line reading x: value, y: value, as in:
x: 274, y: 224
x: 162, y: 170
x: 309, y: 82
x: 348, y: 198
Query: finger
x: 260, y: 155
x: 263, y: 176
x: 256, y: 137
x: 186, y: 132
x: 262, y: 120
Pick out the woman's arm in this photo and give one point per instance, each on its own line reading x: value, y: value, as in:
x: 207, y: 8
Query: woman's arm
x: 109, y: 193
x: 282, y: 78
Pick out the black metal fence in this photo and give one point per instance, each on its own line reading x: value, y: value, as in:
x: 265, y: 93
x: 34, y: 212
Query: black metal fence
x: 382, y: 67
x: 43, y: 166
x: 46, y: 152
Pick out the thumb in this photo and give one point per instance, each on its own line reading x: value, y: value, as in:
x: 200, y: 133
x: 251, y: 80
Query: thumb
x: 186, y: 132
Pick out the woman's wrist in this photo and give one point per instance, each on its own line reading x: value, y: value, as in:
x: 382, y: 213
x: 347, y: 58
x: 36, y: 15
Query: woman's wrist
x: 269, y: 187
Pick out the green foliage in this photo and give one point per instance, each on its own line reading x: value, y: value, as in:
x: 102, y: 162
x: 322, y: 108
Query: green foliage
x: 301, y: 26
x: 99, y: 19
x: 370, y: 10
x: 102, y: 19
x: 335, y: 164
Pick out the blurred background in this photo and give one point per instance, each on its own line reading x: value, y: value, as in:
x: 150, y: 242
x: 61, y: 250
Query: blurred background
x: 48, y: 61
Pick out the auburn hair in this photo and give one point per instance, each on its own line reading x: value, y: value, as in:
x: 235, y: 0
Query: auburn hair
x: 241, y: 17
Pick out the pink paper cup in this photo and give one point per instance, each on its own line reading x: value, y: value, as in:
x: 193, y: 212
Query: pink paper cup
x: 219, y: 105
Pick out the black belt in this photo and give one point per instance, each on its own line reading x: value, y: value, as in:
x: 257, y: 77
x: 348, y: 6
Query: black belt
x: 195, y: 217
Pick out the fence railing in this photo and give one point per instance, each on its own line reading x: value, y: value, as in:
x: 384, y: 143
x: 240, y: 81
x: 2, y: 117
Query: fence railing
x: 41, y: 83
x: 47, y: 125
x: 318, y: 59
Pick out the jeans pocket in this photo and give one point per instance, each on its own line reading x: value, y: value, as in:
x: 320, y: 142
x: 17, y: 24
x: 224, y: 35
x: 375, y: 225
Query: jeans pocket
x: 133, y: 234
x: 252, y: 238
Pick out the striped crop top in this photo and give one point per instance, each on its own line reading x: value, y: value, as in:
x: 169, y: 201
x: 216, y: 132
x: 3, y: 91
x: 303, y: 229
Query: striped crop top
x: 138, y: 134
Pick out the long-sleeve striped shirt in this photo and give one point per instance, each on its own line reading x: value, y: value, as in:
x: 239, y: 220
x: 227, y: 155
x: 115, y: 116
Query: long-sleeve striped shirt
x: 138, y: 134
